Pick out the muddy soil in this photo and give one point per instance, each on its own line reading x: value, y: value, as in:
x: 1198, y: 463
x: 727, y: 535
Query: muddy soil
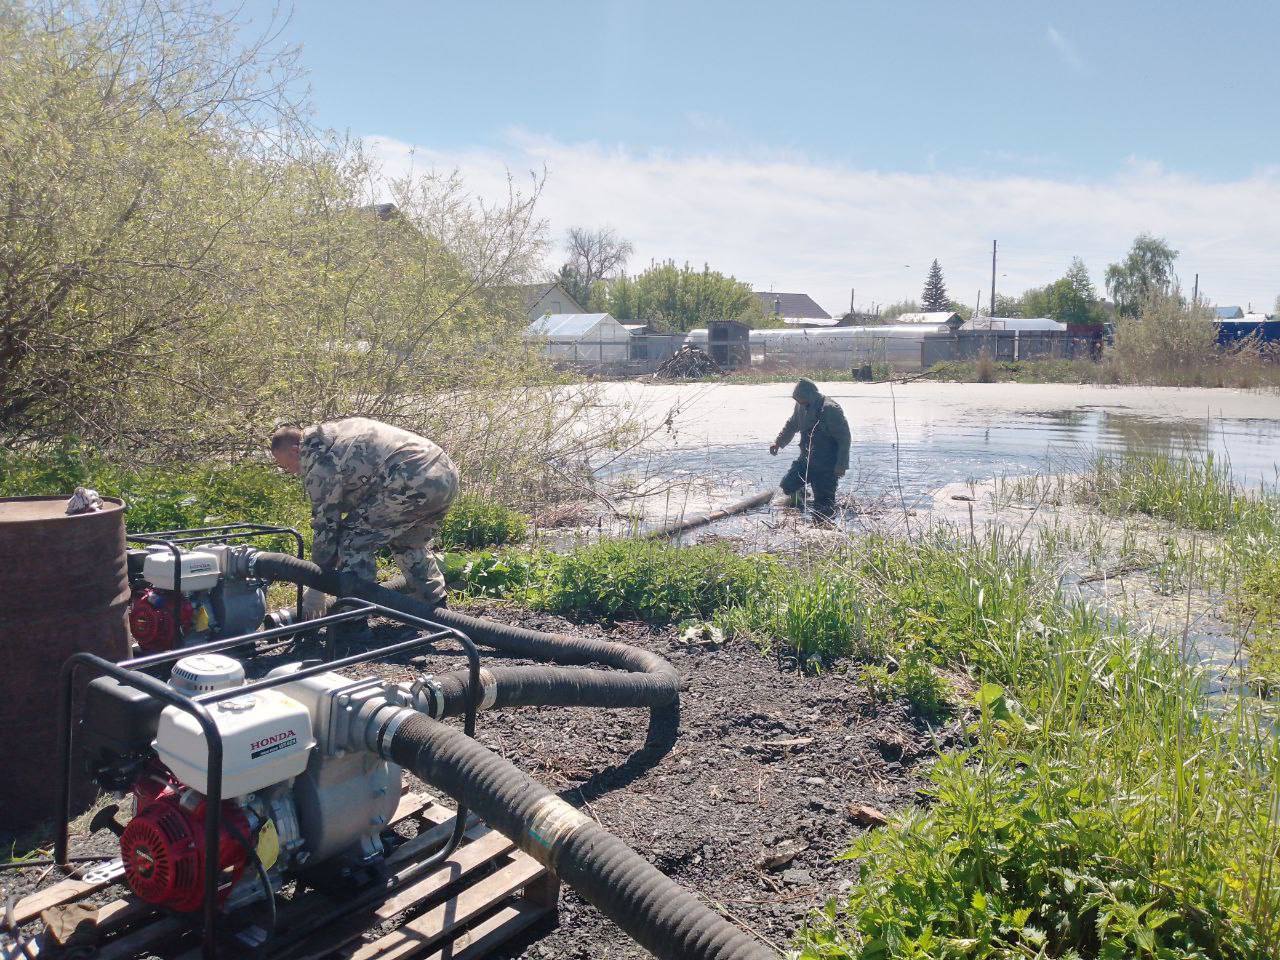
x: 756, y: 794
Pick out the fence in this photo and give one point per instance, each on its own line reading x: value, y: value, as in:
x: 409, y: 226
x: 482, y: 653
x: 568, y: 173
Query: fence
x: 1008, y: 345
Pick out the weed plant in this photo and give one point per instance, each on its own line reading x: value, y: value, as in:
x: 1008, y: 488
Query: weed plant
x: 475, y: 521
x: 1103, y: 810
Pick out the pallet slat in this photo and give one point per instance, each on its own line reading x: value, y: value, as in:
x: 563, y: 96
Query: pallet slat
x: 420, y: 933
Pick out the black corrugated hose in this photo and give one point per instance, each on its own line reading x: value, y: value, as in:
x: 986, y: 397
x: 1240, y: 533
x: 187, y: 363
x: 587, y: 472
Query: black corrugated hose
x: 659, y: 914
x: 663, y: 917
x: 638, y: 678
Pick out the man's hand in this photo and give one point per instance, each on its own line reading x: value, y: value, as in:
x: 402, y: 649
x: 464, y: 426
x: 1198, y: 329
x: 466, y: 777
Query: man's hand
x: 313, y: 604
x: 773, y: 449
x: 841, y: 471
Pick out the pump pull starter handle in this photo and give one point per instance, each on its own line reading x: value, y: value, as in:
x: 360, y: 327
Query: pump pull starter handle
x: 106, y: 818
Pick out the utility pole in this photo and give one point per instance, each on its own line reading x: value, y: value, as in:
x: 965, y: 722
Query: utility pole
x: 977, y: 307
x: 993, y: 278
x: 851, y: 293
x: 1195, y: 293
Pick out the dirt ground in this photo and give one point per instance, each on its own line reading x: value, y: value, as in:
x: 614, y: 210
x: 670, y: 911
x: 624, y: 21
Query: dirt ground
x: 766, y: 763
x: 756, y: 794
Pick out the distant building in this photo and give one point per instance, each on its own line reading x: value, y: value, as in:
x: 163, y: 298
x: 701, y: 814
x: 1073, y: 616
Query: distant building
x: 935, y: 318
x: 1228, y: 313
x: 1014, y: 323
x: 794, y: 309
x: 541, y: 299
x: 581, y: 339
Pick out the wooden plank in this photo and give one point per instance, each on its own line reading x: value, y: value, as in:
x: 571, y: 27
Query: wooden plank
x: 466, y: 859
x: 313, y: 908
x: 491, y: 933
x: 462, y: 862
x: 70, y: 890
x: 65, y: 891
x: 422, y: 932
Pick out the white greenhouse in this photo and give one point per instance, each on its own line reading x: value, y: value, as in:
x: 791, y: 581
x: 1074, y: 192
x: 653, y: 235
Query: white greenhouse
x: 581, y: 339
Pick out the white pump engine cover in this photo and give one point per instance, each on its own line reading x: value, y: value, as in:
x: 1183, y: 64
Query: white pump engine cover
x: 266, y: 739
x: 200, y: 569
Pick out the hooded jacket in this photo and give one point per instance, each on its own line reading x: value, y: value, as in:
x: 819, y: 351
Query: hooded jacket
x: 823, y: 430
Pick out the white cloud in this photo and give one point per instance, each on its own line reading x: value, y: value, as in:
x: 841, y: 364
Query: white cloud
x: 1066, y: 50
x: 792, y: 224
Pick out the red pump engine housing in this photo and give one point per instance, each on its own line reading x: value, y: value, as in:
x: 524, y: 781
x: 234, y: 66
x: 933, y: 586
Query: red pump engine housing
x: 163, y: 851
x: 151, y: 619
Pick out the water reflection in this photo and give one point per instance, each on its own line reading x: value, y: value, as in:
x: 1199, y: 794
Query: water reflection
x: 928, y: 455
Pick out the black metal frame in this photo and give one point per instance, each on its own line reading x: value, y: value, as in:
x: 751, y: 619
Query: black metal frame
x: 130, y: 672
x: 225, y: 533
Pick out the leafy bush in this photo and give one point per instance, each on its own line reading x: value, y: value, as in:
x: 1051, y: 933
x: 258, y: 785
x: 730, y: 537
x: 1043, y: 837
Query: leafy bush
x: 474, y: 521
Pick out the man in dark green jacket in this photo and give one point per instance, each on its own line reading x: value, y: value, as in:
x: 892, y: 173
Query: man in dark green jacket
x: 824, y: 448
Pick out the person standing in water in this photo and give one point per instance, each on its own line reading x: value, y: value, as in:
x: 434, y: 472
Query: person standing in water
x: 824, y: 448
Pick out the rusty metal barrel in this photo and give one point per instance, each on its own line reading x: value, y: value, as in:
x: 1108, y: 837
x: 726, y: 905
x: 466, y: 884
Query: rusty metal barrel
x: 64, y: 587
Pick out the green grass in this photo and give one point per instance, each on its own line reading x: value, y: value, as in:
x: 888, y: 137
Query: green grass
x: 818, y: 614
x: 475, y: 521
x: 655, y: 582
x: 1103, y: 810
x: 197, y: 495
x: 1196, y: 492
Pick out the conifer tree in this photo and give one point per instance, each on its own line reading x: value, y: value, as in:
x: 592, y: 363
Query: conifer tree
x: 935, y: 292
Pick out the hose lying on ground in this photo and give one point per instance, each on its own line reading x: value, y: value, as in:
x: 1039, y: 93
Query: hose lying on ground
x: 663, y: 917
x: 703, y: 519
x: 659, y: 914
x: 638, y: 678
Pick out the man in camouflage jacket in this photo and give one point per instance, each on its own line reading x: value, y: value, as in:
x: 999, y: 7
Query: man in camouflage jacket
x: 371, y: 485
x: 824, y: 448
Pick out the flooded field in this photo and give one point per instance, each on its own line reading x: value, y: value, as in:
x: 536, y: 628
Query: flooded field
x: 912, y: 439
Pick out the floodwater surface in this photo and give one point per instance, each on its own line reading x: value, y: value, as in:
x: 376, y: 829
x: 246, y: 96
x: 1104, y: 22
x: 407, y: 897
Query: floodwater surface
x: 910, y: 440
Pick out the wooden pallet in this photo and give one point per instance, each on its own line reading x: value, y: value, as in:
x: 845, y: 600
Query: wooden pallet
x: 481, y: 896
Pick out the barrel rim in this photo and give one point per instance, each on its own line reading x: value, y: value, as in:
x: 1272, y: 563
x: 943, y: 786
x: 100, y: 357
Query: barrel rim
x: 115, y: 504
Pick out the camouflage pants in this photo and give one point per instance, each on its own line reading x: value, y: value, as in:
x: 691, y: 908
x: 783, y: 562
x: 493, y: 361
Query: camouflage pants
x: 404, y: 515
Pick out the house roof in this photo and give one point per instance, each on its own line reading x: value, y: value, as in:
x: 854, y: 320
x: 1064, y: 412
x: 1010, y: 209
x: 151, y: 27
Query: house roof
x: 531, y: 293
x: 383, y: 211
x: 566, y: 326
x: 934, y: 317
x: 1228, y: 313
x: 1014, y: 323
x: 810, y: 321
x: 798, y: 305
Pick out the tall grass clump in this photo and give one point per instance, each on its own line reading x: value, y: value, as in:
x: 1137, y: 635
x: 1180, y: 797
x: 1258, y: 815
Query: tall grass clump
x: 818, y: 614
x: 654, y: 582
x: 1194, y: 491
x: 1104, y: 809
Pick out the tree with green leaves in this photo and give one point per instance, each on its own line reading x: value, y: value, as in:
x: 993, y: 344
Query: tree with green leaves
x: 935, y: 297
x: 1145, y: 272
x: 682, y: 298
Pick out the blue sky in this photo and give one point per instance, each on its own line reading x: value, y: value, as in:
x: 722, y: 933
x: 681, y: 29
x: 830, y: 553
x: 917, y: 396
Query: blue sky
x: 897, y: 131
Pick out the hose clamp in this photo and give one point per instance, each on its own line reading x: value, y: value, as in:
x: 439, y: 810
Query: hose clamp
x: 428, y: 682
x: 488, y: 690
